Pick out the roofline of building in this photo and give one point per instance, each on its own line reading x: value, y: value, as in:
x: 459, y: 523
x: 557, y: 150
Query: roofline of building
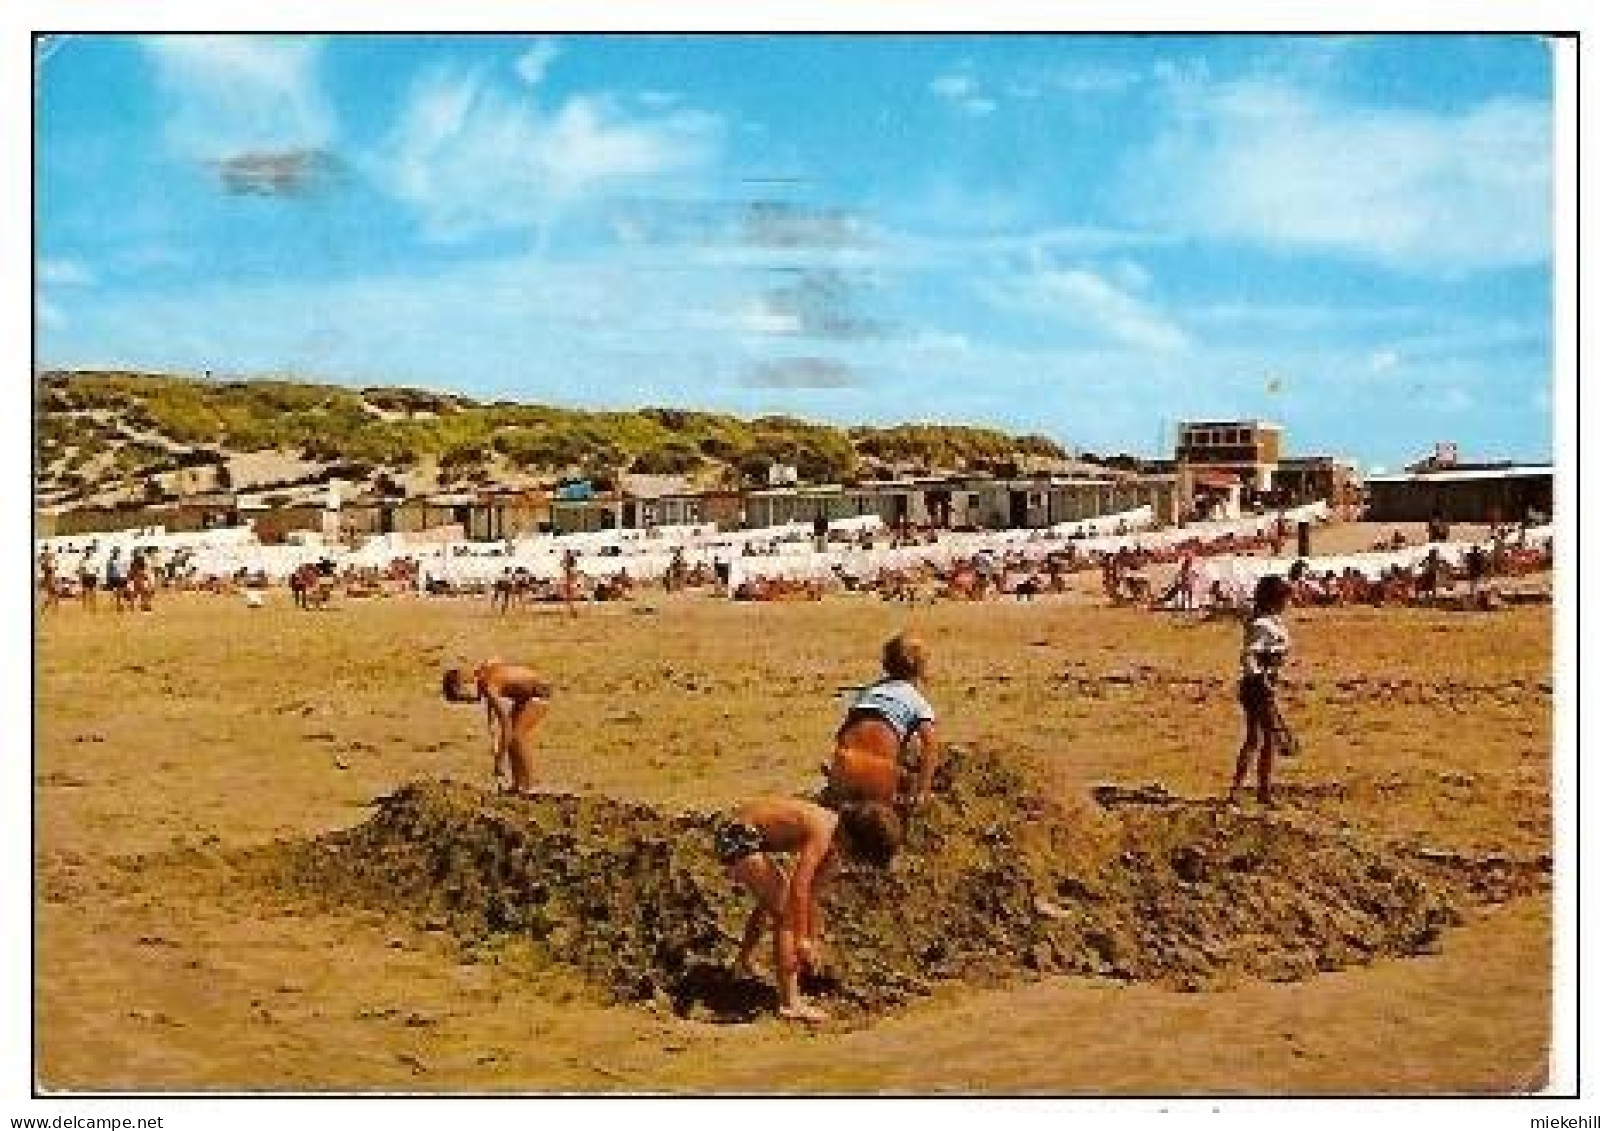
x: 1229, y: 424
x: 1457, y: 475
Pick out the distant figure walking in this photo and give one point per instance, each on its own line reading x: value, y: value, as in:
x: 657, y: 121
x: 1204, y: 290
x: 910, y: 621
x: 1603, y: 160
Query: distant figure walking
x: 141, y: 584
x: 572, y: 579
x: 504, y: 590
x: 1265, y: 645
x: 517, y: 700
x: 87, y: 578
x: 311, y: 586
x: 1476, y: 567
x: 117, y: 579
x: 48, y: 587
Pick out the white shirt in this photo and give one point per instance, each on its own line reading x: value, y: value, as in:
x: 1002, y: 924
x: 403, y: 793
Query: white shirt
x: 897, y: 701
x: 1265, y: 645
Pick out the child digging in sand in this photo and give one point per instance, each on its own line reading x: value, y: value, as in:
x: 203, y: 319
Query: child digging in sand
x: 868, y: 833
x: 517, y: 700
x: 883, y: 719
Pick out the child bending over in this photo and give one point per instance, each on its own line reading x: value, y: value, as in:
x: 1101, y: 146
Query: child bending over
x: 817, y: 838
x: 883, y: 720
x: 517, y: 700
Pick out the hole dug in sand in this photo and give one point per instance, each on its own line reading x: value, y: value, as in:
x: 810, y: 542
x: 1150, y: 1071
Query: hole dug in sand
x: 998, y: 880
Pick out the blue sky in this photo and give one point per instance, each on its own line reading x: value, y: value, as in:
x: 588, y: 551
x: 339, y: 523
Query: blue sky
x: 1087, y: 236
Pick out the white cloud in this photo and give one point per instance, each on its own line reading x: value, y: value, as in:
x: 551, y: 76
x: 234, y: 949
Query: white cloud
x: 1331, y: 317
x: 152, y: 257
x: 1444, y: 335
x: 629, y: 326
x: 1271, y: 163
x: 930, y: 341
x: 1092, y: 81
x: 226, y: 94
x: 64, y: 273
x: 1078, y: 87
x: 1383, y: 360
x: 1087, y: 300
x: 470, y: 156
x: 1132, y: 275
x: 51, y: 276
x: 1454, y: 400
x: 943, y: 234
x: 533, y: 65
x: 760, y: 319
x: 962, y: 91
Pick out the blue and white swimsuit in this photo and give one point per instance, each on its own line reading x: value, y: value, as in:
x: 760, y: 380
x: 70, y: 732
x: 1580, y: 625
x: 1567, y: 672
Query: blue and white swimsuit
x: 897, y: 702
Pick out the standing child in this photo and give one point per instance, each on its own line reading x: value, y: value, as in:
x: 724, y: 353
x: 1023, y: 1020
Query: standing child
x: 1265, y: 644
x: 117, y: 579
x: 868, y: 833
x: 87, y: 577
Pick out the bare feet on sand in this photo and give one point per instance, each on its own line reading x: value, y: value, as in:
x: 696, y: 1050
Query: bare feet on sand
x: 800, y: 1011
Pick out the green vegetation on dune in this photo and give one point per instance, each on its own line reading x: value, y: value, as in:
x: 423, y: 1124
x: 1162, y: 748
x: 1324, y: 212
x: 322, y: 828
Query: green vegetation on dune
x: 935, y: 445
x: 404, y: 427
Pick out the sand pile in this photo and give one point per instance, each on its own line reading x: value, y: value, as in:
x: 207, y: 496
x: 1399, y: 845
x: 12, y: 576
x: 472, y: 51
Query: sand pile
x: 1003, y: 879
x: 998, y: 880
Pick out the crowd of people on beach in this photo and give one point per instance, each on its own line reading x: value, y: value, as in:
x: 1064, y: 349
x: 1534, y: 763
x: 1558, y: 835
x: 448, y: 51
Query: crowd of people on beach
x: 130, y: 581
x: 1395, y: 573
x: 1215, y: 564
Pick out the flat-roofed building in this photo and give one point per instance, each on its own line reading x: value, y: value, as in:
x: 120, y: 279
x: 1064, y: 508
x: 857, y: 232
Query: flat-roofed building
x: 1248, y: 449
x: 1311, y: 479
x: 1489, y: 493
x: 777, y: 506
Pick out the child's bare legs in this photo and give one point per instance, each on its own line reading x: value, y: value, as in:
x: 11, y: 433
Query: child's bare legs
x: 812, y: 958
x: 791, y: 1004
x: 500, y: 747
x: 1267, y: 756
x: 1266, y: 761
x: 763, y: 879
x: 1244, y: 756
x: 758, y: 875
x: 753, y: 926
x: 523, y: 741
